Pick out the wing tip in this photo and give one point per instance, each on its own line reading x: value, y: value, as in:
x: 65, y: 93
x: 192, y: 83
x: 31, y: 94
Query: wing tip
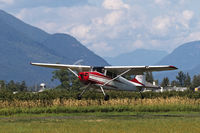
x: 173, y: 67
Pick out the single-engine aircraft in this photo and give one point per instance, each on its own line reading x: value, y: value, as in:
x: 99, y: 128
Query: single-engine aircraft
x: 109, y: 77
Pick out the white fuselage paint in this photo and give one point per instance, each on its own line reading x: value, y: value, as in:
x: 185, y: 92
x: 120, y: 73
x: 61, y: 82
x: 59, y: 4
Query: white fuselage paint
x: 117, y: 84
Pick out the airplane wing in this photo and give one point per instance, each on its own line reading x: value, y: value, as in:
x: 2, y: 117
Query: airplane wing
x: 77, y: 68
x: 137, y: 70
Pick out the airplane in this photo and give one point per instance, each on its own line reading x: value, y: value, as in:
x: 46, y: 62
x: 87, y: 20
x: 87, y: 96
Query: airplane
x: 109, y: 77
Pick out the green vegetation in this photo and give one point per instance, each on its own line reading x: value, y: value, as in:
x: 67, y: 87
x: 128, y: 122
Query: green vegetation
x: 13, y: 86
x: 60, y: 101
x: 103, y: 122
x: 96, y: 109
x: 182, y: 80
x: 49, y: 95
x: 165, y: 82
x: 57, y: 110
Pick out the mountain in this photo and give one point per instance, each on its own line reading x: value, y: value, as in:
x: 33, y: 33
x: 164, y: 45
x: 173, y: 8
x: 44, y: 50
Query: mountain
x: 72, y: 50
x: 186, y: 57
x: 21, y: 43
x: 137, y: 57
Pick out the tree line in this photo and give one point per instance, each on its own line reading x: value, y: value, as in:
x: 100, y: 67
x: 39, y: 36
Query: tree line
x: 13, y: 86
x: 70, y: 82
x: 182, y: 80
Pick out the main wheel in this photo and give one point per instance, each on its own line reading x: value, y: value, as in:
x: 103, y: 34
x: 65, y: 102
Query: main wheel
x: 79, y: 97
x: 142, y: 97
x: 106, y: 98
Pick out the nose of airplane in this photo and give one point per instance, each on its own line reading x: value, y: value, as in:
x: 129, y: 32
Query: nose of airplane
x: 83, y: 77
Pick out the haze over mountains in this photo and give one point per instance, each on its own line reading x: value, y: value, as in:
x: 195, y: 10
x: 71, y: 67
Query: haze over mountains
x: 21, y: 43
x: 137, y: 57
x: 186, y: 57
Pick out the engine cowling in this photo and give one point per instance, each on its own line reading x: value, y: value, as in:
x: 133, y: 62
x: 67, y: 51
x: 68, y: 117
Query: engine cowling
x: 84, y: 77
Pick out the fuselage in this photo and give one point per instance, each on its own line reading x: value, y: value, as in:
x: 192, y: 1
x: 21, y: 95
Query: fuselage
x: 99, y: 79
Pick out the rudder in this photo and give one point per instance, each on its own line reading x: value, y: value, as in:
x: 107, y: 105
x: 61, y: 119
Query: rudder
x: 139, y: 80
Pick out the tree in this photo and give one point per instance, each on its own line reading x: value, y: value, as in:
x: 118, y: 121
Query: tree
x: 63, y: 76
x: 149, y: 77
x: 181, y: 78
x: 174, y: 83
x: 22, y: 86
x: 12, y: 86
x: 67, y: 79
x: 187, y: 81
x: 2, y: 84
x: 165, y: 82
x: 76, y: 84
x: 195, y: 81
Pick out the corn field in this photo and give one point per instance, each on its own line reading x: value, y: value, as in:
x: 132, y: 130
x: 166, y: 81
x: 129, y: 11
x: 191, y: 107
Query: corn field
x: 100, y: 102
x: 60, y: 102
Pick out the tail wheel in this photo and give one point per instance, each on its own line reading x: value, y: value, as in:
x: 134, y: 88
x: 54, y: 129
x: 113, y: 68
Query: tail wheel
x: 79, y: 97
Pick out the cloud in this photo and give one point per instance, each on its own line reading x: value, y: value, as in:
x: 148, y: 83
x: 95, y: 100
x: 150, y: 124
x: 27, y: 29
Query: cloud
x: 138, y: 44
x: 162, y: 2
x: 51, y: 26
x: 114, y: 4
x: 184, y: 18
x: 9, y: 2
x: 113, y: 17
x: 112, y: 27
x: 161, y: 25
x: 80, y: 31
x: 187, y: 14
x: 193, y: 37
x: 101, y: 47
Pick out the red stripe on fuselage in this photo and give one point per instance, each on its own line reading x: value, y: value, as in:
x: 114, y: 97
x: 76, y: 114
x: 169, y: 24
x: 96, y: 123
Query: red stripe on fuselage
x: 99, y: 75
x: 101, y: 83
x: 136, y: 81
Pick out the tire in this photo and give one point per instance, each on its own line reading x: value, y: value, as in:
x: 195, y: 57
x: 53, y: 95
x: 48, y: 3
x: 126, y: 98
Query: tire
x: 106, y: 98
x: 79, y: 97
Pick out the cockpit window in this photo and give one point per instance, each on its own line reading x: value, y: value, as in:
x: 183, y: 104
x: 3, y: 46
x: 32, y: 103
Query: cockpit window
x: 111, y: 74
x: 98, y: 69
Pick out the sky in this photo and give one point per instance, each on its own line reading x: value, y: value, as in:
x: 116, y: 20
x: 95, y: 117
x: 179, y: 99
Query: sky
x: 113, y: 27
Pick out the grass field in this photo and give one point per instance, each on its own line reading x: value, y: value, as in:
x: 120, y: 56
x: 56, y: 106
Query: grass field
x: 158, y: 115
x: 125, y: 122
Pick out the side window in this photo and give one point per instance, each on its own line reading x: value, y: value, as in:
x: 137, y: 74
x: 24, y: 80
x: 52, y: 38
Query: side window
x: 111, y: 74
x: 99, y: 69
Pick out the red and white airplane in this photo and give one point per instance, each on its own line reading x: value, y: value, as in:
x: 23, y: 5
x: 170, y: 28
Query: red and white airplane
x: 109, y: 77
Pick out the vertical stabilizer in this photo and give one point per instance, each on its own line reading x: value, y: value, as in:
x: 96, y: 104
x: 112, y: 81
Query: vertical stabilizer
x: 139, y: 80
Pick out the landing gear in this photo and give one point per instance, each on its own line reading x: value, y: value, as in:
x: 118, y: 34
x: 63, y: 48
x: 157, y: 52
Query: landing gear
x: 106, y: 97
x: 79, y: 97
x: 84, y: 90
x: 142, y: 97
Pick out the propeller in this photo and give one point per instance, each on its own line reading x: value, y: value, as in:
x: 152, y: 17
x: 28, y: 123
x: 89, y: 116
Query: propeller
x: 78, y: 62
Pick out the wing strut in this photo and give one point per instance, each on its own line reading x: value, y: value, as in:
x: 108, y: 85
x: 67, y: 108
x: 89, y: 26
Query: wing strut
x: 115, y: 77
x: 106, y: 97
x: 85, y: 88
x: 73, y: 72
